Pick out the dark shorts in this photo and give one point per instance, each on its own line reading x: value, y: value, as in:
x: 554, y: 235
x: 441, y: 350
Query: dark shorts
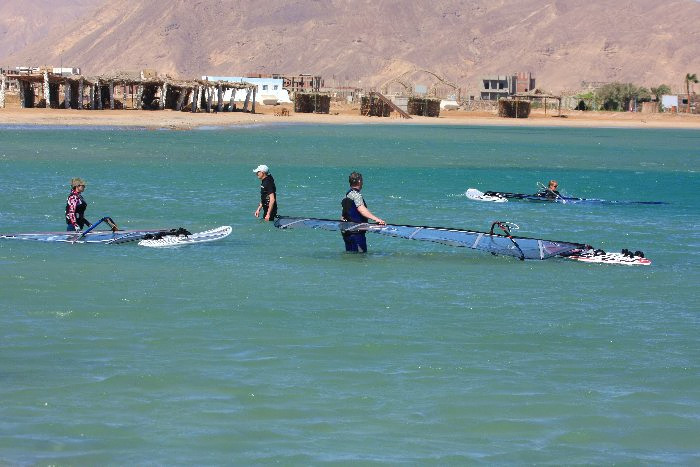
x: 355, y: 242
x: 273, y: 214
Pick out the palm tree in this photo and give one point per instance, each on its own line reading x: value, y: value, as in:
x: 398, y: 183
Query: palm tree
x: 690, y: 78
x: 660, y: 91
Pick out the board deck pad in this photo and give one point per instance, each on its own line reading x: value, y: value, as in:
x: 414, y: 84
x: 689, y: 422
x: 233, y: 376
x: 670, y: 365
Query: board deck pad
x: 476, y: 195
x: 610, y: 258
x: 171, y: 241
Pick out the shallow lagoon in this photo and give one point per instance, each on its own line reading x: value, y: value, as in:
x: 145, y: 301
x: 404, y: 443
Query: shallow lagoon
x: 276, y: 346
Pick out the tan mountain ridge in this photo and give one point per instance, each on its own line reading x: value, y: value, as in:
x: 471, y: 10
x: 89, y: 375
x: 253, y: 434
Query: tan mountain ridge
x: 366, y: 43
x: 23, y: 23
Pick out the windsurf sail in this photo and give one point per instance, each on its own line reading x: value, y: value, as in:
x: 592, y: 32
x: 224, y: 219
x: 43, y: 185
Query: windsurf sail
x: 493, y: 242
x: 95, y: 236
x: 90, y: 235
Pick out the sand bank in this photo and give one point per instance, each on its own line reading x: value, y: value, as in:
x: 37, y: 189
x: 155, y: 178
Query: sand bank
x: 339, y: 115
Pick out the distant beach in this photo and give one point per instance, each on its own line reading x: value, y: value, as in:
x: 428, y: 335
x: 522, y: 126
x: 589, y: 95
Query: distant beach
x: 339, y: 114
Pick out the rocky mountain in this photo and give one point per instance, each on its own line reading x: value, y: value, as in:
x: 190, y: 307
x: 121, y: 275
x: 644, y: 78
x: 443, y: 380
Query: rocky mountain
x: 363, y: 42
x: 24, y: 23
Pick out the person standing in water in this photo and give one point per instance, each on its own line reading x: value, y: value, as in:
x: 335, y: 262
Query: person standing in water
x: 355, y: 210
x: 268, y: 193
x: 76, y: 206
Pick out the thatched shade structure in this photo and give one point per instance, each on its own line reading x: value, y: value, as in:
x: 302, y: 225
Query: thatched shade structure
x: 538, y: 95
x: 425, y: 106
x: 149, y: 93
x: 374, y: 107
x: 378, y: 105
x: 513, y: 108
x: 50, y: 85
x: 314, y: 102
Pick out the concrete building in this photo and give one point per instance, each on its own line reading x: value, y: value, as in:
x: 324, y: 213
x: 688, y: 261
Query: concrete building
x: 303, y: 82
x: 495, y: 87
x: 669, y: 103
x: 66, y: 71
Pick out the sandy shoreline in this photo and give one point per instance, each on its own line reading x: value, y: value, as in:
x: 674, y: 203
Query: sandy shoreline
x: 167, y: 119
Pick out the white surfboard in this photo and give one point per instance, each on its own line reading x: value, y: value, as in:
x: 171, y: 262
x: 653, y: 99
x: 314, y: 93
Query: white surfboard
x: 610, y: 258
x: 476, y: 195
x: 170, y: 241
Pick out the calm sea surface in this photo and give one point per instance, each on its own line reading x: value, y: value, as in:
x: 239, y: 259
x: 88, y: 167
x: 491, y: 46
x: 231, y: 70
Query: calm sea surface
x: 277, y: 347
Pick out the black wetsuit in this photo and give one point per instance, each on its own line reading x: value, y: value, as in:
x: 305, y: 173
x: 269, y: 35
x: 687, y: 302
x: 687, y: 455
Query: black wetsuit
x: 549, y: 194
x: 267, y: 187
x: 354, y: 241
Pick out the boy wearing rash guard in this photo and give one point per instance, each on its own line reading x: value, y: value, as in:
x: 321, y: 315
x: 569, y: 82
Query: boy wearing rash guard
x: 75, y: 207
x: 355, y: 210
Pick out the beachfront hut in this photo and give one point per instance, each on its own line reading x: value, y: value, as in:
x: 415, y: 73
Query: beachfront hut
x: 425, y: 106
x: 43, y: 88
x: 126, y: 90
x: 535, y: 95
x: 211, y: 95
x: 122, y: 90
x: 371, y: 107
x: 312, y: 102
x: 377, y: 104
x: 152, y: 93
x: 513, y: 108
x: 53, y: 90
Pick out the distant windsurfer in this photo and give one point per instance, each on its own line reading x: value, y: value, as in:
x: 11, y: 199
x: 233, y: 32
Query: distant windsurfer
x: 268, y: 193
x: 355, y: 210
x: 76, y: 206
x: 550, y: 192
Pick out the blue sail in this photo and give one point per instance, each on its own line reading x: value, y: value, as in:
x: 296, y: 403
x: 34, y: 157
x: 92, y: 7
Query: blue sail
x: 95, y: 236
x: 519, y: 247
x: 563, y: 199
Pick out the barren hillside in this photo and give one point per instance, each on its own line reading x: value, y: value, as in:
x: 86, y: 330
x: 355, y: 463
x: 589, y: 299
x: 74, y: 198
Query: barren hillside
x: 368, y: 42
x: 23, y: 23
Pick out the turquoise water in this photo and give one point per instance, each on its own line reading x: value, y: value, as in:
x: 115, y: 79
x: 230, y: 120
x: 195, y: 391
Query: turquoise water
x: 277, y: 347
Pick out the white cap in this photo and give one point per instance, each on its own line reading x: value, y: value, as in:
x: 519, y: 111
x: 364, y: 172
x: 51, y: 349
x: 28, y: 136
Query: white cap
x: 261, y: 168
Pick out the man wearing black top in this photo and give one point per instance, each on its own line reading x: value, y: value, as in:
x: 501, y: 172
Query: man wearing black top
x: 268, y: 193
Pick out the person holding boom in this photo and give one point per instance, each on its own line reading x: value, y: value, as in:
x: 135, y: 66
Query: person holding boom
x: 355, y: 210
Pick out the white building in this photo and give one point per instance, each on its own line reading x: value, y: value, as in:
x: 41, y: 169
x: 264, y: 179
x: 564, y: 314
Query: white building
x: 669, y: 103
x: 450, y: 103
x: 66, y: 71
x: 269, y: 90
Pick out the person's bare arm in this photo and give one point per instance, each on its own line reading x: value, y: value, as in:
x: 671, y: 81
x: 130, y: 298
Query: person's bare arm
x: 270, y: 205
x: 368, y: 214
